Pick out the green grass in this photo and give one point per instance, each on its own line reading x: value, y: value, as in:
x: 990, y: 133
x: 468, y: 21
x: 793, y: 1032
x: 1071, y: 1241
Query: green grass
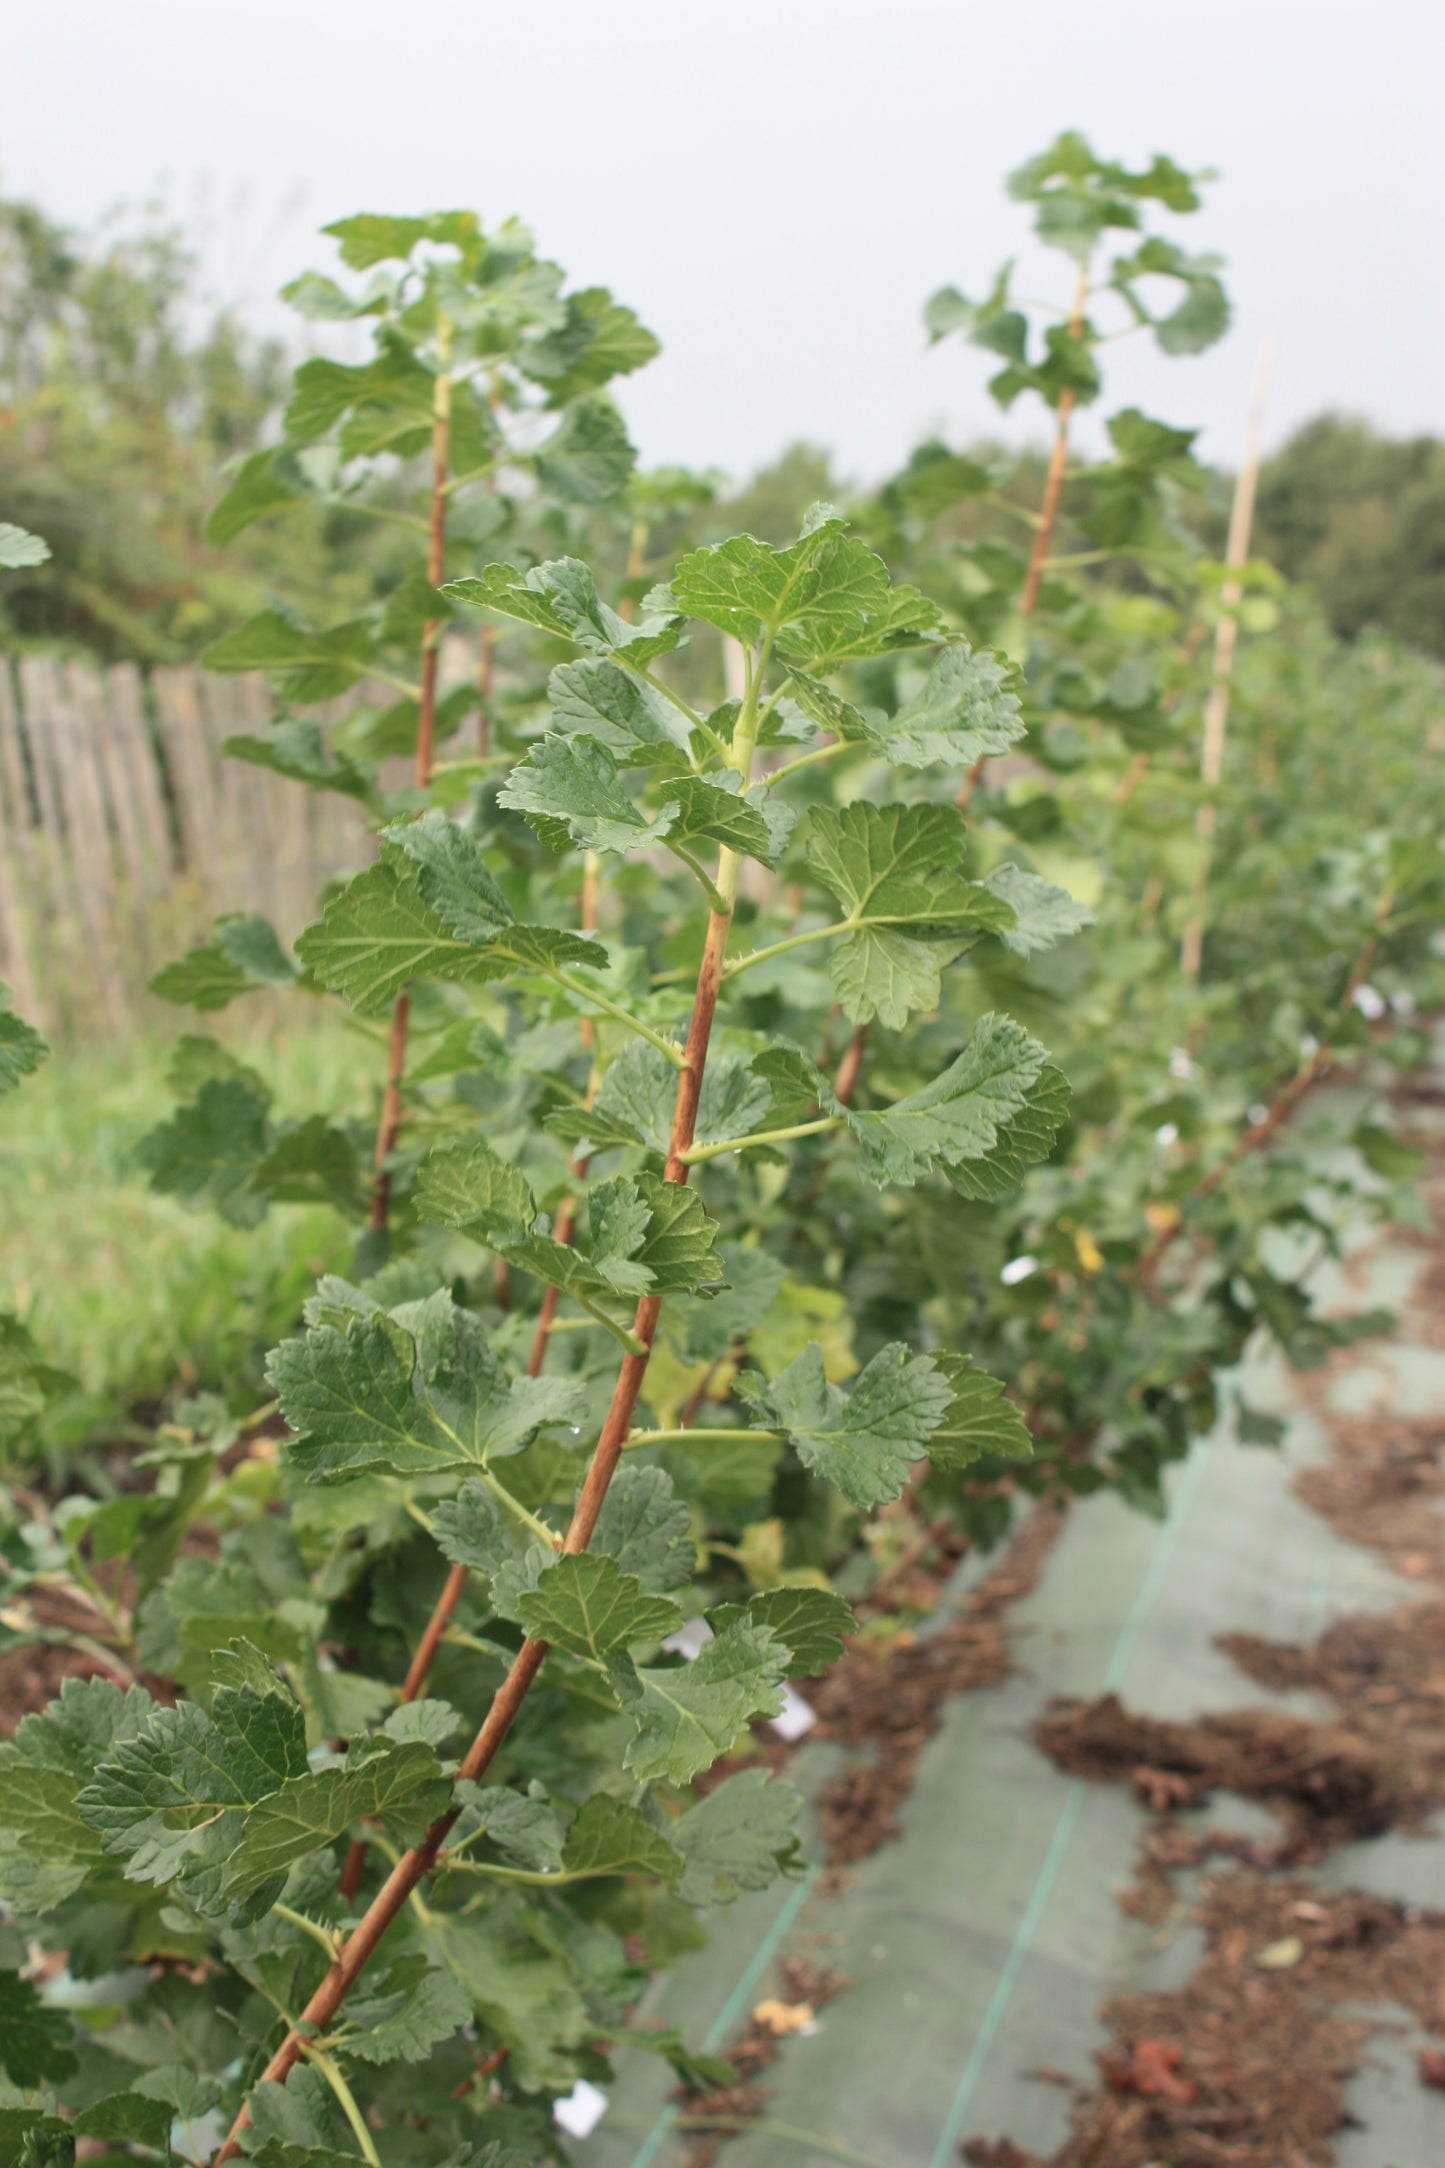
x: 135, y: 1294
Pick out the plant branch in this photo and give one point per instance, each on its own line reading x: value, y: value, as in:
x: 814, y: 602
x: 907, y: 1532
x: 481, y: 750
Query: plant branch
x: 810, y: 760
x: 515, y: 1507
x: 701, y: 1152
x: 346, y: 2099
x: 583, y: 992
x: 660, y: 685
x: 780, y: 948
x: 414, y: 1866
x: 673, y: 1437
x: 317, y: 1932
x: 703, y: 876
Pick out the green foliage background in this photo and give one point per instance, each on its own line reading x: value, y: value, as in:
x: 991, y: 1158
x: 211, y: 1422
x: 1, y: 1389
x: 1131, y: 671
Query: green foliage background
x: 934, y: 812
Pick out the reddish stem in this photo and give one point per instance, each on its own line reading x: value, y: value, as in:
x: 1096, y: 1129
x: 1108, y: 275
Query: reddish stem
x: 415, y: 1865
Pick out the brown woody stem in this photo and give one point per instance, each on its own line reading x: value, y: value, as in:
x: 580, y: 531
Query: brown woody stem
x: 413, y: 1867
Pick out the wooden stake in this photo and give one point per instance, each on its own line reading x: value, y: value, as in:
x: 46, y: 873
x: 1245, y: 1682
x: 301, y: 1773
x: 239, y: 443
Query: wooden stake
x: 1216, y: 711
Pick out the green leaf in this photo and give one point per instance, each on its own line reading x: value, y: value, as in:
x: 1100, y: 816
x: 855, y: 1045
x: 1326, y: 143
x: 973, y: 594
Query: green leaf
x: 1022, y: 1141
x: 638, y: 1094
x: 561, y: 598
x: 313, y: 1163
x: 687, y: 1714
x: 705, y: 1332
x: 377, y: 935
x: 960, y: 1115
x: 731, y: 1477
x: 936, y: 478
x: 210, y: 1149
x: 22, y: 1049
x: 46, y: 1846
x: 452, y: 873
x: 31, y: 2139
x: 34, y: 2042
x: 1043, y: 913
x: 429, y: 909
x: 297, y: 750
x: 609, y: 1837
x: 389, y: 397
x: 19, y: 549
x: 864, y: 1441
x: 402, y: 1787
x: 515, y: 1966
x: 1252, y: 1426
x: 679, y: 1249
x: 830, y: 711
x: 812, y: 1622
x: 26, y: 1383
x: 267, y: 482
x: 1384, y: 1153
x: 648, y: 1237
x: 310, y: 665
x: 525, y: 1828
x: 980, y: 1422
x: 597, y: 699
x: 162, y: 1800
x: 368, y: 238
x: 127, y: 2119
x: 904, y: 618
x: 188, y: 2094
x: 597, y: 340
x: 568, y: 788
x: 243, y: 957
x: 587, y: 1605
x: 825, y: 594
x: 967, y: 711
x: 589, y: 460
x: 898, y: 873
x: 405, y: 2015
x: 414, y: 1390
x: 322, y: 301
x: 467, y: 1187
x: 433, y: 1722
x: 645, y: 1527
x: 1202, y: 315
x: 470, y: 1531
x: 740, y: 1838
x: 707, y: 810
x: 275, y: 2152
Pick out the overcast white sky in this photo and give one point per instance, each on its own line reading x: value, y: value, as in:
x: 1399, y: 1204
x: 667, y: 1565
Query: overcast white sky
x: 776, y: 185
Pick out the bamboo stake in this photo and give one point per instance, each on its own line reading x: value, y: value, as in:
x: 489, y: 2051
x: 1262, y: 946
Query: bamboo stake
x: 1226, y: 639
x: 391, y: 1103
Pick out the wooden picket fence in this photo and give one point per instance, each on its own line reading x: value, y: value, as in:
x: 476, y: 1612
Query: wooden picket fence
x: 124, y: 833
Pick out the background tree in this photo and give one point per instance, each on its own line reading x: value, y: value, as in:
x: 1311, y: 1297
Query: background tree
x: 1360, y: 517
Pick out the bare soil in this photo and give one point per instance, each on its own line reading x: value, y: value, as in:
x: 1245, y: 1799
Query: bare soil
x: 1246, y: 2064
